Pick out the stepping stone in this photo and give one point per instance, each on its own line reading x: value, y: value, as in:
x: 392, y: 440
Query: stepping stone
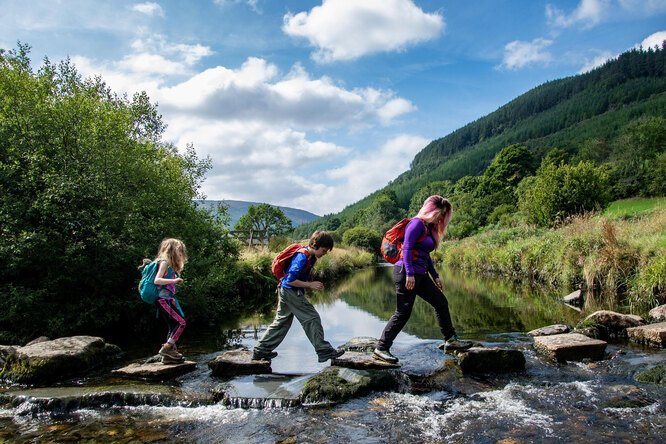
x: 570, y: 347
x: 238, y: 362
x: 549, y: 330
x: 361, y: 361
x: 360, y: 344
x: 652, y: 334
x: 155, y: 370
x: 658, y: 314
x: 613, y: 320
x: 491, y: 360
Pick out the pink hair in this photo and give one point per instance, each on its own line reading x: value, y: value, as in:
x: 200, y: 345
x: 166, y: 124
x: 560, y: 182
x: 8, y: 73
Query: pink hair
x: 436, y: 213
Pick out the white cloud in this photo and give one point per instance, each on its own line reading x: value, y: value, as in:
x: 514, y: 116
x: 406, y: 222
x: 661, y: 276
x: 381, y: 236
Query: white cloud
x: 597, y: 61
x: 373, y: 169
x: 349, y: 29
x: 149, y: 8
x: 588, y: 14
x: 251, y: 3
x: 518, y: 54
x: 653, y: 40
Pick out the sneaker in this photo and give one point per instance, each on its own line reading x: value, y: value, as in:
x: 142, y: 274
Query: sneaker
x: 454, y: 343
x: 170, y: 351
x: 384, y: 355
x: 263, y: 357
x: 332, y: 354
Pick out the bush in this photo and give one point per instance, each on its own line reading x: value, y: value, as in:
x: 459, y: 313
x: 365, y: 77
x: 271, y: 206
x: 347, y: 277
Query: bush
x: 364, y: 238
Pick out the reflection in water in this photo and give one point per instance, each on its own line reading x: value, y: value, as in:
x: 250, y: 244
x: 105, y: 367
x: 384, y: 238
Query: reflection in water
x: 478, y: 306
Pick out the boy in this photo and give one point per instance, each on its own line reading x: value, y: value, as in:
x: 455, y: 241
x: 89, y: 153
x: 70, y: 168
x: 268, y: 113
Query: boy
x: 292, y: 302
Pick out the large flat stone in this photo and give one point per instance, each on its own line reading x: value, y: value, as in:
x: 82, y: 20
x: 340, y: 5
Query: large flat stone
x: 652, y: 334
x: 491, y: 360
x: 570, y: 347
x: 238, y: 362
x: 556, y: 329
x: 48, y: 361
x: 361, y: 361
x: 155, y: 370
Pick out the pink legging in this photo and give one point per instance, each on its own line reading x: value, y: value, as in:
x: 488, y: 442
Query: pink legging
x: 171, y: 315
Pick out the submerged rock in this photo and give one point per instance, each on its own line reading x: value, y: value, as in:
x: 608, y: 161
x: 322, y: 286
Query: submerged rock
x: 238, y: 362
x: 655, y: 375
x: 491, y: 360
x: 155, y: 370
x: 49, y: 361
x: 556, y: 329
x: 651, y: 334
x: 570, y: 347
x: 334, y: 385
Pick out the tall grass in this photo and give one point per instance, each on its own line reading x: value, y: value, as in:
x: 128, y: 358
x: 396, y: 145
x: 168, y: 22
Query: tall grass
x: 619, y: 260
x: 338, y: 262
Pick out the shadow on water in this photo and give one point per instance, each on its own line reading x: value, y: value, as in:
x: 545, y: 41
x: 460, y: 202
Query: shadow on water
x: 576, y: 402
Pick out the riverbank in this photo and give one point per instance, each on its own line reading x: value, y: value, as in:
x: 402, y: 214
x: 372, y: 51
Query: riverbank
x: 616, y: 257
x: 339, y: 262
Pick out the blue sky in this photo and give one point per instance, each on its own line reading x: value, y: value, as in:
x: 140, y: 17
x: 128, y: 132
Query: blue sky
x: 316, y: 104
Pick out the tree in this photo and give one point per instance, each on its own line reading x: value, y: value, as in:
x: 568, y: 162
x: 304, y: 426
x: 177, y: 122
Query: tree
x: 87, y: 189
x: 557, y: 192
x: 264, y: 217
x: 508, y: 168
x: 382, y: 213
x: 443, y: 188
x: 364, y: 238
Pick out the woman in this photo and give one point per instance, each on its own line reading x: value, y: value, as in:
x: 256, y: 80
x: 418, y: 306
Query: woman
x: 410, y: 274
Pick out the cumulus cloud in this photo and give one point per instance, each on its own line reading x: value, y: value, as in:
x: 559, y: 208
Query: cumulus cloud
x: 518, y: 54
x: 588, y: 14
x: 349, y: 29
x: 653, y: 40
x: 149, y: 8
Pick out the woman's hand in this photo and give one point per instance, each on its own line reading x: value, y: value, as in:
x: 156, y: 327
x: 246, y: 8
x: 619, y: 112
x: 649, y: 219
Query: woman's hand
x: 178, y: 281
x: 439, y: 284
x: 410, y: 282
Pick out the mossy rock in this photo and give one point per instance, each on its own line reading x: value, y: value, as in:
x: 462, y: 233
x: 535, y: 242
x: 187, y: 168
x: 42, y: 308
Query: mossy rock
x: 655, y: 375
x: 335, y: 385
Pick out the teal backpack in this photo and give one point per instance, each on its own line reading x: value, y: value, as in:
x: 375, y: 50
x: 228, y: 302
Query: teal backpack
x: 147, y: 288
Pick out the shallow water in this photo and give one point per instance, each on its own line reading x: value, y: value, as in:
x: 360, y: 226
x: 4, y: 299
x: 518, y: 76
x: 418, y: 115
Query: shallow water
x: 576, y: 402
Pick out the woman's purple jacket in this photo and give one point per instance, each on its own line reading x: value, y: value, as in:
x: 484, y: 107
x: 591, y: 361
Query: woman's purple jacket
x: 422, y: 264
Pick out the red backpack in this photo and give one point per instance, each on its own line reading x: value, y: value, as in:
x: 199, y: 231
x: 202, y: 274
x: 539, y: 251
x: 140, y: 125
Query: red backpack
x: 393, y: 239
x: 283, y: 259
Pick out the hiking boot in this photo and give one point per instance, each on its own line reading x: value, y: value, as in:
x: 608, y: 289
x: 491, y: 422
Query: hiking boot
x: 167, y: 360
x: 332, y: 354
x: 263, y: 357
x: 170, y: 351
x: 455, y: 343
x: 384, y: 355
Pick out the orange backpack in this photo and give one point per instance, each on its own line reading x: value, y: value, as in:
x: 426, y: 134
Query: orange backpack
x: 283, y: 259
x: 393, y: 239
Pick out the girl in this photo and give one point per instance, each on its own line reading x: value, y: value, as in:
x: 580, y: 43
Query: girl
x: 410, y: 275
x: 171, y: 258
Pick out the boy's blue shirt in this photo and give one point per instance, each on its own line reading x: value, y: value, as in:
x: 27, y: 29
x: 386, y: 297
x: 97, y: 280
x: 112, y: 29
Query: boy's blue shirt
x: 297, y: 269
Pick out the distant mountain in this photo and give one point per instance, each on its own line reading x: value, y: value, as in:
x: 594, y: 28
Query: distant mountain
x: 238, y: 208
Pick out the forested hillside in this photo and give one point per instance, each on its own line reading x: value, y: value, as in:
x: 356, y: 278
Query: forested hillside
x: 588, y: 117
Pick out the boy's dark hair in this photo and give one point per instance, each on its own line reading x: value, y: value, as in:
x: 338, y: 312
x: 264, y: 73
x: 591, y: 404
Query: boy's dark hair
x: 321, y: 239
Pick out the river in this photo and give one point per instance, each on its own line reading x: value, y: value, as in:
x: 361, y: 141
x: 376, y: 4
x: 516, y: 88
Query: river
x: 574, y: 402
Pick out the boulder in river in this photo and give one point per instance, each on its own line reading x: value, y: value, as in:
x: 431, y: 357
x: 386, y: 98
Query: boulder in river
x: 570, y: 347
x: 155, y: 370
x: 48, y: 361
x: 238, y: 362
x: 651, y: 334
x: 491, y: 360
x: 334, y: 385
x: 556, y: 329
x: 575, y: 299
x: 606, y: 324
x: 658, y: 314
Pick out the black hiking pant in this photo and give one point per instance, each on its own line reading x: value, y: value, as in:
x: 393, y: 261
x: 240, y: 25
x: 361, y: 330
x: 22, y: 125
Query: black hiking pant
x: 424, y: 287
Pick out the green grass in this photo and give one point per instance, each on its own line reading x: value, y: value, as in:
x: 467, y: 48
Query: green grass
x: 634, y: 206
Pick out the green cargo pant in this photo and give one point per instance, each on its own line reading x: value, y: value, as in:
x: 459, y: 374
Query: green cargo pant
x: 293, y: 303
